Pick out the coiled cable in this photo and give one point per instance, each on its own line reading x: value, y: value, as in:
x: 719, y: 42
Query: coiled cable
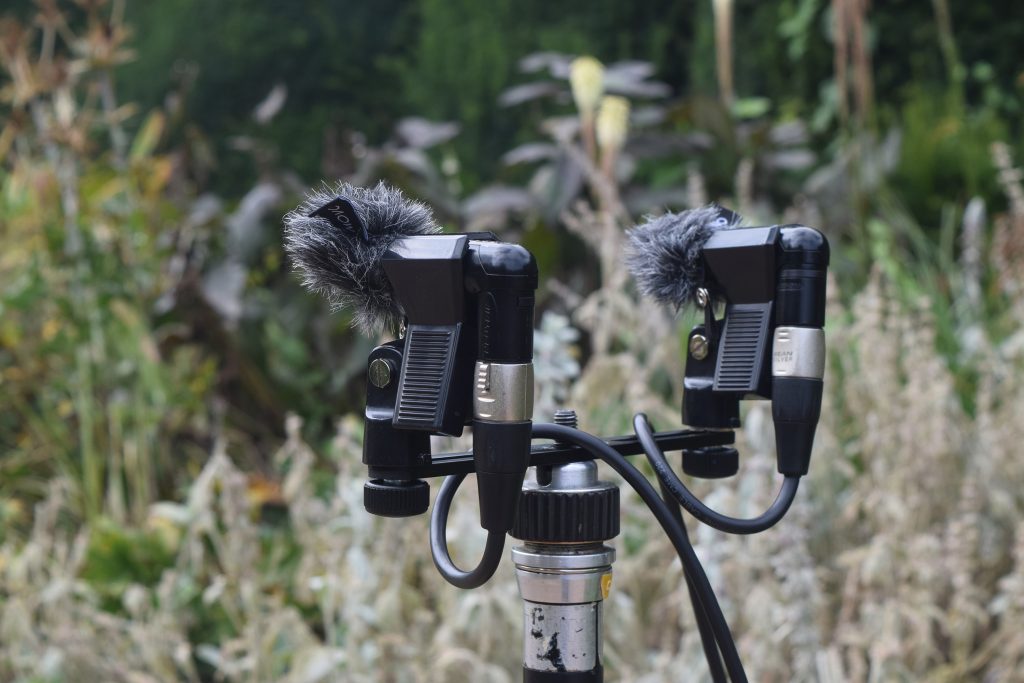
x: 695, y: 506
x: 493, y: 550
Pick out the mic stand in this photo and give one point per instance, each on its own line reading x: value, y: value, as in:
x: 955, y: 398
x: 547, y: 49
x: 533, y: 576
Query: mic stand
x: 564, y: 518
x: 564, y: 571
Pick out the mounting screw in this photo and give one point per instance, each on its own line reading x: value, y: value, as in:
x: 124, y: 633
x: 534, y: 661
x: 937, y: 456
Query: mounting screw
x: 380, y: 373
x: 703, y: 297
x: 699, y: 346
x: 566, y: 418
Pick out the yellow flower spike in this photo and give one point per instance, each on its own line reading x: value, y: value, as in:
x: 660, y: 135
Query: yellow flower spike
x: 612, y: 123
x: 586, y: 76
x: 612, y: 128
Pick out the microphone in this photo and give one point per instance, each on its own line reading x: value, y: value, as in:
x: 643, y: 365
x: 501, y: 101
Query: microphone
x: 466, y: 357
x: 770, y: 343
x: 337, y: 239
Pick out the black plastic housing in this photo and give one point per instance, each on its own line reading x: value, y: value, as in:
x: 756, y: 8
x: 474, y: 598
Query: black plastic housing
x: 390, y: 449
x: 768, y: 277
x: 703, y: 407
x: 503, y: 277
x: 796, y: 401
x: 795, y: 411
x: 434, y: 392
x: 467, y: 299
x: 384, y: 445
x: 803, y: 256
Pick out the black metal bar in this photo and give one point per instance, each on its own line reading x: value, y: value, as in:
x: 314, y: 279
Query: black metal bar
x: 556, y: 454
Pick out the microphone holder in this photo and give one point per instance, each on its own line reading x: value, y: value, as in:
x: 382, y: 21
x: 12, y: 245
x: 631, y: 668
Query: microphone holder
x: 565, y: 517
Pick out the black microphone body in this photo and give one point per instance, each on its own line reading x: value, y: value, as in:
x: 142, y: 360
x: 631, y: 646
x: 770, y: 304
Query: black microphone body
x: 466, y: 304
x: 469, y: 306
x: 770, y: 343
x: 798, y: 349
x: 504, y: 278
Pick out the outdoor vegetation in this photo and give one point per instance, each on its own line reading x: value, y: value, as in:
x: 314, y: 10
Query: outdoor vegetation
x: 180, y: 477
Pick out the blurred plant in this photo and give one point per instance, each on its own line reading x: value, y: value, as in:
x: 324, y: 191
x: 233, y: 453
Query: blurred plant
x: 586, y: 77
x: 612, y: 127
x: 852, y: 53
x: 555, y: 362
x: 723, y: 13
x: 92, y: 385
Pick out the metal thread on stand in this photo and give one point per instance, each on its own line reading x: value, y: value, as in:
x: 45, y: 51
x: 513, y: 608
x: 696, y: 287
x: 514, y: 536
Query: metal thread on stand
x: 566, y: 418
x: 564, y: 569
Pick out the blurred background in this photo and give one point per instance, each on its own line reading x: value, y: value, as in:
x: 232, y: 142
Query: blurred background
x: 180, y: 487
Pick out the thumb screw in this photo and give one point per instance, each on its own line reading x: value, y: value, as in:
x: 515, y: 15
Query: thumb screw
x: 566, y: 418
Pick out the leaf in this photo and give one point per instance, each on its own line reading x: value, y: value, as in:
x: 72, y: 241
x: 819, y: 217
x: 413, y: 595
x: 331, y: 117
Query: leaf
x: 554, y: 62
x: 628, y: 88
x: 561, y: 128
x: 632, y: 70
x: 630, y: 79
x: 650, y: 115
x: 498, y: 199
x: 528, y: 91
x: 266, y: 110
x: 159, y: 175
x: 557, y: 184
x: 789, y: 134
x: 148, y: 136
x: 416, y: 161
x: 789, y: 159
x: 653, y: 145
x: 751, y: 107
x: 223, y: 286
x: 423, y: 134
x: 529, y: 153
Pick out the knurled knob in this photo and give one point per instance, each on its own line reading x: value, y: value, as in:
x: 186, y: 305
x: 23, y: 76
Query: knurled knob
x: 553, y: 516
x: 396, y: 499
x: 713, y: 462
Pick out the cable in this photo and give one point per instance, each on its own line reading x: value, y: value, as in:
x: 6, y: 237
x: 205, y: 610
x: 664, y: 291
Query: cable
x: 694, y: 506
x: 707, y: 637
x: 493, y: 550
x: 691, y: 564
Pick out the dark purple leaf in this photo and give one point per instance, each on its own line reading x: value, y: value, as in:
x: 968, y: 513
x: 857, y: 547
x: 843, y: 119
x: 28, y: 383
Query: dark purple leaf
x: 518, y: 94
x: 529, y: 153
x: 497, y: 199
x: 789, y: 159
x: 423, y: 134
x: 552, y: 61
x: 789, y: 134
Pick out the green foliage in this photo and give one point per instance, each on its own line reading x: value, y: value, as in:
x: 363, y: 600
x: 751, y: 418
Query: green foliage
x: 86, y: 377
x: 118, y: 557
x: 944, y: 155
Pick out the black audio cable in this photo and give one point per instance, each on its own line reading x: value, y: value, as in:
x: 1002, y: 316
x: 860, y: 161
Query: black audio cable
x: 715, y: 631
x: 698, y: 509
x: 493, y: 550
x: 676, y: 534
x: 707, y: 636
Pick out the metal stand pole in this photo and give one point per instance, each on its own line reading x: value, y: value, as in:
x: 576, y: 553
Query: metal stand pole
x: 564, y: 571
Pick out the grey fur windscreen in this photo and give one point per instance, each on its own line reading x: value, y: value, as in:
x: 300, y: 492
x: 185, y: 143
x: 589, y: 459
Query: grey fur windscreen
x: 343, y: 262
x: 664, y: 253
